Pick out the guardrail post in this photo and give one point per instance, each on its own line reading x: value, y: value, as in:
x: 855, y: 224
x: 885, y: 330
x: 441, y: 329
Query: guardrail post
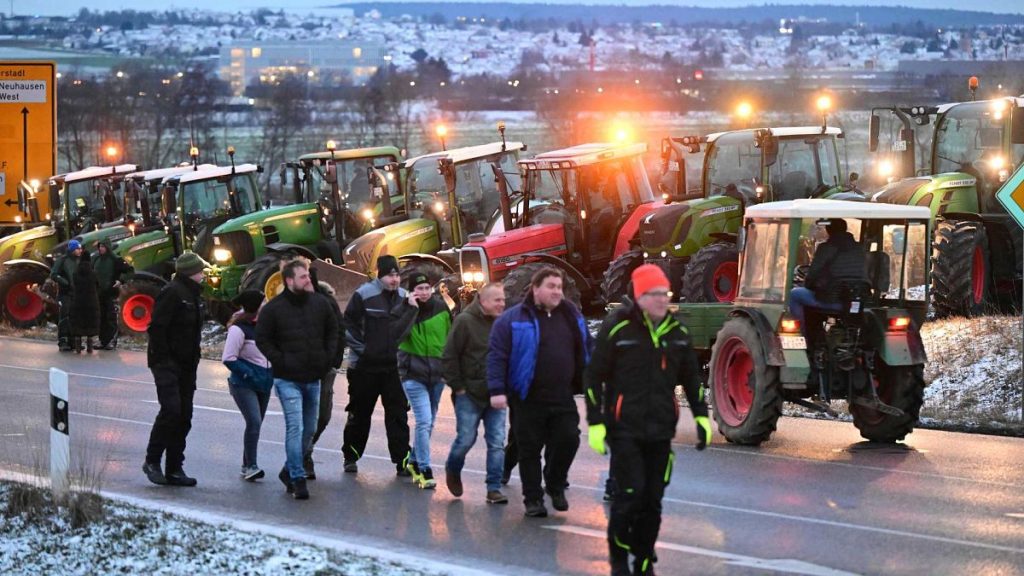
x: 60, y: 439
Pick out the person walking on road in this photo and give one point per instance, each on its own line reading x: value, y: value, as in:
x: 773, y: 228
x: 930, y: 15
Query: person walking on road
x: 63, y: 274
x: 298, y: 333
x: 251, y: 379
x: 422, y: 322
x: 373, y: 368
x: 85, y: 306
x: 465, y: 369
x: 327, y: 381
x: 173, y: 357
x: 642, y: 354
x: 537, y: 353
x: 110, y: 270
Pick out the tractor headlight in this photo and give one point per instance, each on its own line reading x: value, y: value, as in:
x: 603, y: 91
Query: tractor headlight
x: 467, y: 277
x: 478, y: 277
x: 367, y: 214
x: 221, y: 254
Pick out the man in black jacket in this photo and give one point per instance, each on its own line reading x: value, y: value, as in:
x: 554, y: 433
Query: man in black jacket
x: 298, y: 333
x: 110, y: 268
x: 63, y: 273
x: 373, y: 367
x: 642, y: 354
x: 840, y: 259
x: 173, y: 356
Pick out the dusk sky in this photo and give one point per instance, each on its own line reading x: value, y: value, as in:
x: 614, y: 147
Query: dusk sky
x: 67, y: 7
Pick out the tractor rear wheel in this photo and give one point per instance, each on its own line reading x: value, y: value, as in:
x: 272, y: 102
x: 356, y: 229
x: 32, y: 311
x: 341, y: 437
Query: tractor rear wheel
x: 617, y: 277
x: 961, y: 275
x: 712, y: 275
x: 22, y: 308
x: 136, y: 305
x: 518, y: 282
x: 745, y: 390
x: 898, y: 386
x: 434, y: 271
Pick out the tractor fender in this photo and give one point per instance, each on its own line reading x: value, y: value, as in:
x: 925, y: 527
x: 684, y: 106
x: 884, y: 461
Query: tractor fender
x: 143, y: 276
x: 904, y: 348
x: 770, y: 343
x: 572, y: 271
x: 297, y: 248
x: 969, y: 216
x: 428, y: 257
x: 27, y: 262
x: 726, y: 237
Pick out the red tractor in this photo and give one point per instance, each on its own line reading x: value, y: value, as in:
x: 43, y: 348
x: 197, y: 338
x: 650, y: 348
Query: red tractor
x: 579, y: 210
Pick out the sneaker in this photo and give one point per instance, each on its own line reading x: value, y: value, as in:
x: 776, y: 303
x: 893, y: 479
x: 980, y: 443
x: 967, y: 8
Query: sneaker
x: 252, y: 473
x: 426, y: 479
x: 454, y: 481
x: 558, y: 501
x: 179, y: 478
x: 496, y: 497
x: 154, y: 473
x: 300, y: 490
x: 409, y: 470
x: 351, y: 467
x: 307, y: 464
x: 536, y: 509
x: 286, y: 480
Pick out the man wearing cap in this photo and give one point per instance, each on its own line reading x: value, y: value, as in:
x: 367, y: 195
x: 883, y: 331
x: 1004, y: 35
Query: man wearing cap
x: 63, y: 273
x: 839, y: 259
x: 173, y: 356
x: 373, y: 368
x: 422, y: 322
x: 642, y: 354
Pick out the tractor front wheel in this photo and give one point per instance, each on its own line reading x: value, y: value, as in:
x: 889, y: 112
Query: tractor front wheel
x: 961, y: 276
x: 22, y: 308
x: 264, y: 274
x: 745, y: 390
x: 898, y: 386
x: 712, y: 275
x: 617, y: 277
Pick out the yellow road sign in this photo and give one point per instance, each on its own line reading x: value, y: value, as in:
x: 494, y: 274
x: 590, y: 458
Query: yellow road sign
x: 28, y: 132
x: 1011, y: 195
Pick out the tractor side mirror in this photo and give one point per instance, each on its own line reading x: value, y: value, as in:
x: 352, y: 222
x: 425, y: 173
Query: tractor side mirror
x: 168, y: 204
x: 23, y: 196
x: 1017, y: 125
x: 874, y: 125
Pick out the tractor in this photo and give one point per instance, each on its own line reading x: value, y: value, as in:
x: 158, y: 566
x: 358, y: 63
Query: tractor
x: 580, y: 209
x: 978, y: 249
x: 869, y: 353
x: 693, y: 237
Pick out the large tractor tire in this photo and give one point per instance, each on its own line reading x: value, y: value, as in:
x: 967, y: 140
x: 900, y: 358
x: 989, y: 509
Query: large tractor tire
x: 898, y: 386
x: 712, y: 275
x: 22, y: 308
x: 264, y: 274
x: 136, y: 303
x: 745, y: 390
x: 961, y: 273
x: 615, y: 285
x: 517, y: 283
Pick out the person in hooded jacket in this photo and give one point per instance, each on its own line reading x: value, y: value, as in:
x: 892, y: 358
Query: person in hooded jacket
x: 110, y: 270
x: 251, y: 379
x: 642, y: 354
x: 85, y: 306
x: 63, y: 273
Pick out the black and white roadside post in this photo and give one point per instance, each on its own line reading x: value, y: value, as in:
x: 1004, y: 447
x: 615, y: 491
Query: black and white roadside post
x: 60, y: 439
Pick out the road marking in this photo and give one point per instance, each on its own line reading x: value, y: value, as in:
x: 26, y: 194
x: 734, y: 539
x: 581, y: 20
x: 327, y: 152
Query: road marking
x: 98, y: 417
x: 1018, y: 515
x: 789, y: 566
x: 111, y: 378
x: 213, y: 409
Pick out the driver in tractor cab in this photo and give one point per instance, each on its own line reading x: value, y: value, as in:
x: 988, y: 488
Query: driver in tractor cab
x: 837, y: 261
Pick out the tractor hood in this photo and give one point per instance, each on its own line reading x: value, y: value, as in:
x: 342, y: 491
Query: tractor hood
x: 26, y: 244
x: 415, y: 236
x: 953, y: 191
x: 505, y: 249
x: 260, y: 217
x: 667, y: 228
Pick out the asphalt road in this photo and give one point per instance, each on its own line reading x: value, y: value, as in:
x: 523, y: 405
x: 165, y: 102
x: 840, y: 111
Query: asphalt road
x: 815, y: 500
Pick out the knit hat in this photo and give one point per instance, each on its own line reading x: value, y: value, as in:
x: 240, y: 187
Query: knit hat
x: 74, y: 245
x: 647, y: 277
x: 189, y: 263
x: 416, y: 279
x: 386, y: 264
x: 249, y: 300
x: 835, y: 226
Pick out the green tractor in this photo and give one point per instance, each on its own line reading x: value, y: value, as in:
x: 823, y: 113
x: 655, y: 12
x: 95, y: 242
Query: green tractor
x: 91, y: 208
x: 977, y: 247
x: 338, y: 195
x: 870, y: 353
x: 193, y: 203
x: 693, y: 236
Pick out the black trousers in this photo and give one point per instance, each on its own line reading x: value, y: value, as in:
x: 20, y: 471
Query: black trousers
x: 363, y: 390
x: 642, y: 470
x: 108, y: 319
x: 64, y: 321
x: 326, y: 403
x: 175, y: 389
x: 553, y: 430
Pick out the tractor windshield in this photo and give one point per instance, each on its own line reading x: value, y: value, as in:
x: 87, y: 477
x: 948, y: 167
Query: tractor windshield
x: 805, y: 166
x: 733, y: 166
x: 85, y: 197
x: 353, y: 179
x: 969, y: 138
x: 226, y: 196
x: 765, y: 261
x: 476, y: 192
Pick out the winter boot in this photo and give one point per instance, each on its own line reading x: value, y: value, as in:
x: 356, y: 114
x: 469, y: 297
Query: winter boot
x: 301, y: 492
x: 286, y: 480
x: 154, y: 473
x: 179, y: 478
x: 307, y: 463
x: 536, y: 509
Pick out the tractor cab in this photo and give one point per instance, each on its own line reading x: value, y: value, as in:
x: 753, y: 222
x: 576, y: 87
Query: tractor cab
x: 142, y: 195
x: 88, y: 198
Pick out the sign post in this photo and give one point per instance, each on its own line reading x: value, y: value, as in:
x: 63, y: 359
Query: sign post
x: 28, y: 134
x: 1011, y: 196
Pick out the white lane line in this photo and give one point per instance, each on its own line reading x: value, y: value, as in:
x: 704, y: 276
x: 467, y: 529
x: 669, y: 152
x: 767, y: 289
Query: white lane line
x: 786, y: 565
x: 98, y: 417
x: 213, y: 409
x: 110, y: 378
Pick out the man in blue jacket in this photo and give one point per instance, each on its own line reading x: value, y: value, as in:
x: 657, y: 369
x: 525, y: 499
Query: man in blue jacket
x: 537, y: 353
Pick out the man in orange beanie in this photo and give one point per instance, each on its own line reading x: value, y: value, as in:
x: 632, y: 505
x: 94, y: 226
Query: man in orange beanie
x: 642, y: 354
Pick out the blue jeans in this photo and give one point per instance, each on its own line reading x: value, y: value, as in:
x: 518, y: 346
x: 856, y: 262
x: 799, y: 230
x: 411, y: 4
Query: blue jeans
x: 423, y: 398
x: 800, y: 298
x: 468, y: 415
x: 253, y: 406
x: 300, y: 402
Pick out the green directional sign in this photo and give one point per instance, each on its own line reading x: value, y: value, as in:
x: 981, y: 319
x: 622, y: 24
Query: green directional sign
x: 1011, y: 195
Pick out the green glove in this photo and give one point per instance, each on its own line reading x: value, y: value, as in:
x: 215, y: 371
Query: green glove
x: 595, y: 436
x: 703, y: 432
